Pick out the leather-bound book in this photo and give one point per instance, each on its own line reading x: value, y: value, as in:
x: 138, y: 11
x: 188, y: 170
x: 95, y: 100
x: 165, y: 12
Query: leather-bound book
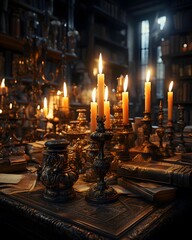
x: 13, y: 164
x: 150, y: 191
x: 157, y: 171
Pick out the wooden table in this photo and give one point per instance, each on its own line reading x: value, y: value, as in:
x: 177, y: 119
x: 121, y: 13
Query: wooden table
x: 29, y: 216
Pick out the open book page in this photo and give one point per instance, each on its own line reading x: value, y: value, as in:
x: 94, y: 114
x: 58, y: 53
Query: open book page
x: 149, y: 190
x: 25, y: 182
x: 10, y: 178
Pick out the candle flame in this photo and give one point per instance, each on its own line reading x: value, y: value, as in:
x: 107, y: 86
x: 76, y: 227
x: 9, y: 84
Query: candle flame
x: 106, y: 93
x: 38, y: 107
x: 100, y: 64
x: 45, y: 102
x: 64, y: 89
x: 148, y: 76
x: 94, y: 95
x: 94, y: 71
x: 125, y: 84
x: 10, y: 106
x: 58, y: 92
x: 170, y: 86
x: 3, y: 83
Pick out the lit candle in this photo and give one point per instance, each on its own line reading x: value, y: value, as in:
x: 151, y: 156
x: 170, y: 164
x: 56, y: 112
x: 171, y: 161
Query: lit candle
x: 125, y: 101
x: 3, y: 88
x: 170, y: 102
x: 65, y: 99
x: 45, y: 109
x: 107, y: 109
x: 58, y: 103
x: 148, y: 93
x: 100, y: 89
x: 38, y: 114
x: 93, y: 111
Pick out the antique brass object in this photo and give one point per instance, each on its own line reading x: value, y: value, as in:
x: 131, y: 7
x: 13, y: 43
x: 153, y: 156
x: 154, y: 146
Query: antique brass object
x: 56, y: 175
x: 101, y: 192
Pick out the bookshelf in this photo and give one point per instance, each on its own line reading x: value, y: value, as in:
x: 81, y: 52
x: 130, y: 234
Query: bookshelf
x: 177, y: 56
x: 103, y: 28
x: 16, y: 17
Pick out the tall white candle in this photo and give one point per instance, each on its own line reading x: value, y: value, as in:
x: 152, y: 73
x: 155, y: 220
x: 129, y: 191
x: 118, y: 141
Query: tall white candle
x: 3, y: 88
x: 100, y: 88
x: 93, y: 111
x: 107, y: 109
x: 148, y: 93
x: 125, y: 101
x: 65, y: 104
x: 45, y: 108
x: 170, y: 102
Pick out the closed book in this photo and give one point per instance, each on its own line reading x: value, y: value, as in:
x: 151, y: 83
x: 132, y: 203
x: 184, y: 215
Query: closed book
x: 150, y: 191
x: 13, y: 164
x: 157, y: 171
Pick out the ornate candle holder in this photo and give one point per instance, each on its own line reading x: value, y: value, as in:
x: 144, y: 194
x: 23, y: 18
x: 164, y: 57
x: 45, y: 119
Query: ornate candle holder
x: 101, y: 192
x: 181, y: 124
x: 161, y: 131
x: 170, y: 133
x: 53, y: 133
x: 56, y: 174
x: 148, y: 147
x: 123, y: 138
x: 91, y: 153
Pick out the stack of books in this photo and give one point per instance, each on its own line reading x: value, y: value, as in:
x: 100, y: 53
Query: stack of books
x: 154, y: 180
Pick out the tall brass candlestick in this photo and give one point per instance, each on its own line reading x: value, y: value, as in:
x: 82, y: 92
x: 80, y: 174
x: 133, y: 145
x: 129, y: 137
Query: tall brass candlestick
x: 101, y: 192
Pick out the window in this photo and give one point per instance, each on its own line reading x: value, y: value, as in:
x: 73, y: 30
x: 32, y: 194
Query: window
x: 160, y: 70
x: 144, y: 51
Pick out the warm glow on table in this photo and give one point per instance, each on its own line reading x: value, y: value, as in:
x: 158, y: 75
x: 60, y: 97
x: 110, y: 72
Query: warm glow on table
x: 170, y: 102
x: 107, y: 109
x: 93, y: 111
x: 65, y: 102
x: 125, y: 101
x: 45, y: 108
x: 148, y: 93
x: 100, y: 89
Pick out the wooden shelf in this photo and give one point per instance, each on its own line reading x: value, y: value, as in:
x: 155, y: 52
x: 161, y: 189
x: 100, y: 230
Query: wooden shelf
x: 108, y: 42
x: 17, y: 44
x: 11, y: 43
x: 115, y: 22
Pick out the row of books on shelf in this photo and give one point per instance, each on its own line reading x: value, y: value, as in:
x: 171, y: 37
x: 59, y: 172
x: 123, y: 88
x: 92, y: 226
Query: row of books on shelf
x: 112, y: 9
x: 183, y: 92
x: 41, y: 5
x: 182, y: 19
x: 177, y: 44
x: 183, y: 70
x: 114, y: 35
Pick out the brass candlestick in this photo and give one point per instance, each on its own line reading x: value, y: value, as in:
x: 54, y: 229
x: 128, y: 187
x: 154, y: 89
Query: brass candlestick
x: 161, y: 131
x: 148, y: 148
x: 101, y: 192
x: 170, y: 133
x: 181, y: 124
x: 123, y: 138
x: 91, y: 153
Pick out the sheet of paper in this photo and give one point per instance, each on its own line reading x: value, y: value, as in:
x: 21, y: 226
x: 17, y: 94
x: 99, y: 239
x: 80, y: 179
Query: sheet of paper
x: 10, y: 178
